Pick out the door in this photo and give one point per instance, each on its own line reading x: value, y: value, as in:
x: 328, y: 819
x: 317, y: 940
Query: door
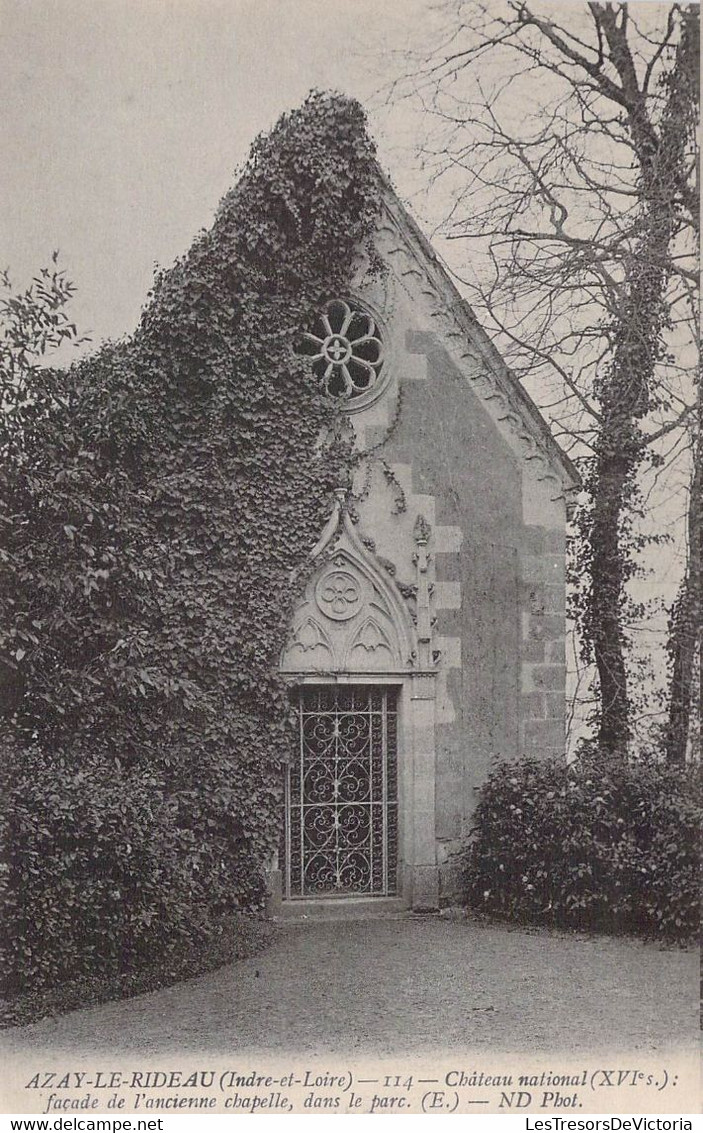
x: 341, y: 810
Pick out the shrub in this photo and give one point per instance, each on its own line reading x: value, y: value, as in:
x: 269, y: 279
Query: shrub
x: 107, y: 868
x: 601, y: 844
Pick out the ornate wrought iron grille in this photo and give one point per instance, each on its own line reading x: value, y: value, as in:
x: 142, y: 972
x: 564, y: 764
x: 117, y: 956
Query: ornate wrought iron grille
x: 341, y: 827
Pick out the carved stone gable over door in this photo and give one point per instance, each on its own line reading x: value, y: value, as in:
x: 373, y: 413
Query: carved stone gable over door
x: 352, y: 618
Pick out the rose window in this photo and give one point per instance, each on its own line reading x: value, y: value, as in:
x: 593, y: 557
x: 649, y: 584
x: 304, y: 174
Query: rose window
x: 345, y: 349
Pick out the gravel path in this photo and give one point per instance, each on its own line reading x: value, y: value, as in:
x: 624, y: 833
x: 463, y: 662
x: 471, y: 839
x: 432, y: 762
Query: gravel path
x: 404, y: 985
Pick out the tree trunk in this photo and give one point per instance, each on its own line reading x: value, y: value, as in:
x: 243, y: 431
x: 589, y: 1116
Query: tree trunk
x: 605, y: 610
x: 636, y: 336
x: 684, y: 641
x: 623, y: 397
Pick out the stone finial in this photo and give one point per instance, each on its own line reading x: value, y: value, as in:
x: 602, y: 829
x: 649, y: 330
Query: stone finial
x: 332, y: 525
x: 421, y: 534
x: 421, y: 530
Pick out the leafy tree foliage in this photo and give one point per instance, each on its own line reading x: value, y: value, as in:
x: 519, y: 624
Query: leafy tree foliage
x: 159, y: 496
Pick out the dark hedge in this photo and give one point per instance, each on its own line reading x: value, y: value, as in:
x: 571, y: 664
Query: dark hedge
x: 108, y: 868
x: 601, y: 844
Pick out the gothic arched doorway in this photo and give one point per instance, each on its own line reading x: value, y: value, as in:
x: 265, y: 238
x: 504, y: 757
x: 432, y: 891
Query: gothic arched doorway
x: 359, y: 805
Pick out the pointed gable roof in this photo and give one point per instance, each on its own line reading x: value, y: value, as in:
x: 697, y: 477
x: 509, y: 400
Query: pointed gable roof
x: 267, y: 244
x: 498, y: 386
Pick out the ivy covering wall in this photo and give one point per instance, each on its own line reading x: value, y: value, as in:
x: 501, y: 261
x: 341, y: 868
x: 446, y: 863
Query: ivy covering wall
x: 159, y: 497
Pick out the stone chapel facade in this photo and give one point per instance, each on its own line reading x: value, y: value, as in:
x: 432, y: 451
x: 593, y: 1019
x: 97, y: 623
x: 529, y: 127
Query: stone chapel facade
x: 429, y: 640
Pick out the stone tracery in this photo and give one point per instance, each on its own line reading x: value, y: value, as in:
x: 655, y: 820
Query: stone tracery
x: 351, y: 618
x: 346, y: 350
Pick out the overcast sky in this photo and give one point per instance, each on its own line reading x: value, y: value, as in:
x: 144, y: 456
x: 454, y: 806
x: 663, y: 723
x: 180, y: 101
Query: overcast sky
x: 124, y: 120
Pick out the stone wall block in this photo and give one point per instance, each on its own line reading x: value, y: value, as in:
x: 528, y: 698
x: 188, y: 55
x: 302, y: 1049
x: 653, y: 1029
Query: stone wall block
x: 544, y: 541
x: 274, y: 892
x: 535, y: 540
x: 448, y: 824
x: 549, y: 627
x: 425, y: 888
x: 533, y: 652
x: 419, y: 341
x: 547, y: 734
x: 555, y: 705
x: 554, y: 598
x: 450, y: 761
x: 375, y: 435
x: 532, y: 705
x: 555, y: 541
x: 556, y: 651
x: 447, y: 595
x: 450, y: 884
x: 542, y: 568
x: 535, y: 597
x: 547, y: 676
